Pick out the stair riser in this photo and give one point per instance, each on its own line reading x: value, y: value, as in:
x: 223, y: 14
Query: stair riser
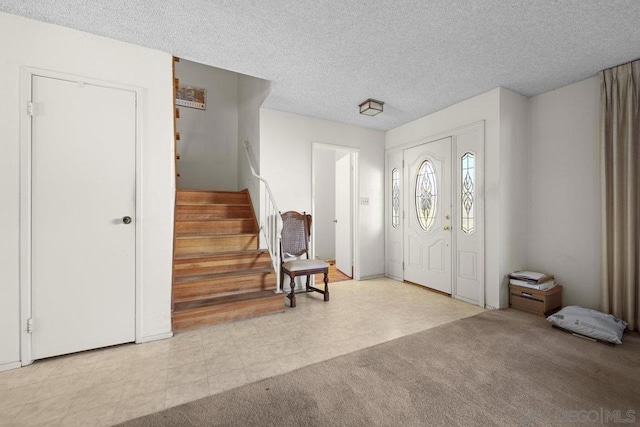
x: 218, y: 264
x: 207, y: 197
x: 215, y: 244
x: 223, y: 286
x: 205, y: 212
x: 224, y: 313
x: 233, y: 226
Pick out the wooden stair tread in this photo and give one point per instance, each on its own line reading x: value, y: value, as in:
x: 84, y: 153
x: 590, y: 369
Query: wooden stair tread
x: 211, y: 235
x: 186, y: 190
x: 196, y: 243
x: 216, y: 220
x: 227, y: 299
x: 205, y: 261
x: 199, y: 255
x: 210, y: 276
x: 213, y: 212
x: 202, y: 197
x: 215, y: 225
x: 207, y: 205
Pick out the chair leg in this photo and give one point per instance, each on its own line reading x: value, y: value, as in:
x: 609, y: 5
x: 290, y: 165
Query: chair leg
x: 326, y: 285
x: 292, y: 294
x: 308, y: 282
x: 281, y: 279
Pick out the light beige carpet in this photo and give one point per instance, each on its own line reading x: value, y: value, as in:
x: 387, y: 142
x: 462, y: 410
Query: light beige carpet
x: 497, y: 368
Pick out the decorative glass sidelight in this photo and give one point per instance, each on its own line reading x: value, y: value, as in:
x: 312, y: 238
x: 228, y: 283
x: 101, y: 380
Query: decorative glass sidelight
x: 395, y: 198
x: 426, y: 195
x: 467, y: 192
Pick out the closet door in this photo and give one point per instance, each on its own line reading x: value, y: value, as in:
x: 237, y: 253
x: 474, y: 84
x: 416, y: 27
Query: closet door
x: 83, y: 216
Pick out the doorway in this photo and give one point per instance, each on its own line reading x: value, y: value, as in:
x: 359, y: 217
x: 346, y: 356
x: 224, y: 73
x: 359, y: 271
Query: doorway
x: 334, y: 207
x: 435, y: 213
x: 79, y: 226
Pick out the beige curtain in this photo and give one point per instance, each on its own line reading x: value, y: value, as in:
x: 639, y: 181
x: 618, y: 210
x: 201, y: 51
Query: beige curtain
x: 620, y: 168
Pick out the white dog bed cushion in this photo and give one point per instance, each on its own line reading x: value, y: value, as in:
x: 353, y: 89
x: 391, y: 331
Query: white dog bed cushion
x: 590, y: 323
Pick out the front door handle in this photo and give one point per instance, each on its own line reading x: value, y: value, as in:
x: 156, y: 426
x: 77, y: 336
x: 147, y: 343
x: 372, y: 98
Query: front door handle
x: 126, y: 219
x: 446, y: 228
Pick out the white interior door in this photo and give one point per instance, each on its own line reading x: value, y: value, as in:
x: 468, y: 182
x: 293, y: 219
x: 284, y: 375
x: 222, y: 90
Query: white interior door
x: 428, y: 208
x: 83, y: 185
x: 343, y: 215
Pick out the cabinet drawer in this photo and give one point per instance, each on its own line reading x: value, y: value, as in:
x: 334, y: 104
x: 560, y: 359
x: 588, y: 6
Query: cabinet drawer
x: 527, y: 303
x: 537, y: 301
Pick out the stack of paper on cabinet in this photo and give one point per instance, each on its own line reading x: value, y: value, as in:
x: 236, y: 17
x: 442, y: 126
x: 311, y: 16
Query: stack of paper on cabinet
x: 531, y: 279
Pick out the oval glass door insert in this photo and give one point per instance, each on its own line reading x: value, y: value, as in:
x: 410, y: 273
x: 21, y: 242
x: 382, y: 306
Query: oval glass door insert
x: 426, y: 195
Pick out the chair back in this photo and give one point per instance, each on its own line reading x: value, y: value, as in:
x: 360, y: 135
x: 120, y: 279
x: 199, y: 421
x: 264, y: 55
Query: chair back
x: 295, y: 234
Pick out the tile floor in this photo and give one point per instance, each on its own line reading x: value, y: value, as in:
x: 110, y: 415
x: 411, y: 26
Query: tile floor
x: 108, y: 386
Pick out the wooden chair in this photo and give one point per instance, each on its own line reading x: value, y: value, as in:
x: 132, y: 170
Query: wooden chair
x: 296, y: 229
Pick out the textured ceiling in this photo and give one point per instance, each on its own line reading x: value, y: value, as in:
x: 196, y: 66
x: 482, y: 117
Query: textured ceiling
x: 326, y: 56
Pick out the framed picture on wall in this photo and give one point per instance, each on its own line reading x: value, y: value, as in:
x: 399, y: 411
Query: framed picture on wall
x: 191, y: 96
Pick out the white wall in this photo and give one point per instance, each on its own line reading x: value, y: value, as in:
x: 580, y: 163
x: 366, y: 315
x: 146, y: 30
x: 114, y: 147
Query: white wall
x: 208, y: 138
x: 564, y: 186
x: 482, y: 107
x: 252, y: 92
x: 324, y: 170
x: 285, y: 161
x: 28, y: 43
x: 514, y: 189
x: 542, y: 184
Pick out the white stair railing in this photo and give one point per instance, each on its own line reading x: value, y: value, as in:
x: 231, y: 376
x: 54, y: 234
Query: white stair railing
x: 269, y: 218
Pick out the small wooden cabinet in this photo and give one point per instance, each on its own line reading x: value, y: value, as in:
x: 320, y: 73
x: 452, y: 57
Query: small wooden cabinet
x: 540, y: 302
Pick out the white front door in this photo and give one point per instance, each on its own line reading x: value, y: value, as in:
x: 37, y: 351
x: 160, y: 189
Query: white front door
x: 83, y: 185
x: 343, y: 215
x: 427, y: 245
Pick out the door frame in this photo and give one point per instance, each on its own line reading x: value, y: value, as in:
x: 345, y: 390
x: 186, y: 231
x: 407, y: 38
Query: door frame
x: 355, y: 197
x: 342, y: 162
x: 403, y: 193
x: 26, y: 75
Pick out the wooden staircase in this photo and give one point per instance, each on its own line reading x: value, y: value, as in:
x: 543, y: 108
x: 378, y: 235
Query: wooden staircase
x: 219, y: 274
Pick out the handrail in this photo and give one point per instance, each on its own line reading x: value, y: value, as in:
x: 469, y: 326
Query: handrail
x: 269, y: 219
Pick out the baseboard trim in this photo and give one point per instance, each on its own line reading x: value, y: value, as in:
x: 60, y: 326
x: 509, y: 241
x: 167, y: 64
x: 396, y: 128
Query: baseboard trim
x: 467, y: 300
x: 158, y: 337
x: 12, y: 365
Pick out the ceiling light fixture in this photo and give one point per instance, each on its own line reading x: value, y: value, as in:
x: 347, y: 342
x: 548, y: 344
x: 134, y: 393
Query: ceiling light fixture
x: 371, y: 107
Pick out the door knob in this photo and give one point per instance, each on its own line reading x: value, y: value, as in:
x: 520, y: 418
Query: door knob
x: 446, y: 227
x: 335, y: 220
x: 126, y: 219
